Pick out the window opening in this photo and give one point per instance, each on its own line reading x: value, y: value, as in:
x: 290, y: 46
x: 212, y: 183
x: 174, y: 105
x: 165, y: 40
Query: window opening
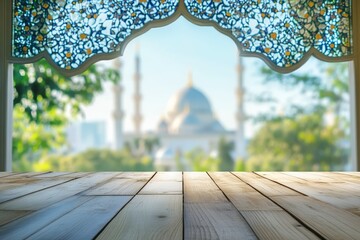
x: 298, y: 121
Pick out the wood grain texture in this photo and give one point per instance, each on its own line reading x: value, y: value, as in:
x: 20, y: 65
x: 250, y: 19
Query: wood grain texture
x: 8, y: 216
x: 164, y: 183
x: 18, y: 191
x: 31, y: 223
x: 46, y: 197
x: 323, y: 218
x: 207, y: 212
x: 243, y: 196
x: 4, y: 174
x: 346, y: 196
x: 199, y: 188
x: 12, y: 183
x: 85, y: 221
x: 265, y: 186
x: 26, y: 175
x: 313, y: 177
x: 52, y: 174
x: 345, y: 177
x: 356, y: 174
x: 147, y: 217
x: 122, y: 184
x: 215, y: 205
x: 327, y: 220
x: 276, y: 225
x: 268, y: 220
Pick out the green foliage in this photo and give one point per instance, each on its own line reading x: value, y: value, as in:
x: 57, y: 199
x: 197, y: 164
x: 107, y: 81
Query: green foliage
x: 301, y: 139
x: 150, y: 143
x: 226, y: 162
x: 94, y: 160
x: 199, y: 160
x: 42, y: 100
x: 31, y: 140
x: 297, y: 144
x: 240, y: 165
x: 43, y: 92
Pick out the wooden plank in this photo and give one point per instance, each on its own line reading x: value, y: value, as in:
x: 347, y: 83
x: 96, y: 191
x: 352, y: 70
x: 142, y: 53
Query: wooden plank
x: 26, y: 175
x: 207, y: 212
x: 144, y: 176
x: 267, y: 219
x: 313, y: 176
x: 25, y: 226
x: 346, y: 183
x: 265, y: 186
x: 349, y: 178
x: 327, y: 220
x: 15, y: 192
x: 323, y: 218
x: 164, y: 183
x: 147, y: 217
x: 270, y: 224
x: 346, y: 196
x: 123, y: 184
x: 356, y: 174
x: 4, y: 185
x: 280, y: 177
x: 46, y: 197
x: 14, y: 182
x: 346, y: 180
x: 243, y: 196
x: 85, y: 221
x: 199, y: 188
x: 53, y: 174
x: 18, y: 179
x: 5, y: 174
x: 8, y: 216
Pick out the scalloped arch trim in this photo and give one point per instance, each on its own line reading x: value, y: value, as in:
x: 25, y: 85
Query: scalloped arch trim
x: 282, y: 32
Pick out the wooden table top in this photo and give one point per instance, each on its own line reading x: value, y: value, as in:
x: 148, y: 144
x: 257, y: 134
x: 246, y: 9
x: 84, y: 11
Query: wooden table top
x: 176, y: 205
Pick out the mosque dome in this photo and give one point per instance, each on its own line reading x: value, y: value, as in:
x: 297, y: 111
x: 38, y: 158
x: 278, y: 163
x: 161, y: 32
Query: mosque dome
x: 191, y: 98
x: 185, y: 123
x: 189, y: 111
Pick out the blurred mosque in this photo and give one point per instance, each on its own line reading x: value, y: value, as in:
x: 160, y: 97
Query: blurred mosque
x: 189, y: 122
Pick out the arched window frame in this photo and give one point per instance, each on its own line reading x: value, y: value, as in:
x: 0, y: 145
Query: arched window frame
x: 6, y: 61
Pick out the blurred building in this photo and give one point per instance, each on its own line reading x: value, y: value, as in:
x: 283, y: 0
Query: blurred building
x: 189, y: 122
x: 85, y: 135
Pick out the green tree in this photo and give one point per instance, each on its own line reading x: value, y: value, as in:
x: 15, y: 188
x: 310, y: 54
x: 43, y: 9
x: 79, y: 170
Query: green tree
x: 301, y: 138
x: 95, y: 160
x: 199, y: 160
x: 226, y: 161
x: 302, y: 143
x: 42, y: 100
x: 150, y: 143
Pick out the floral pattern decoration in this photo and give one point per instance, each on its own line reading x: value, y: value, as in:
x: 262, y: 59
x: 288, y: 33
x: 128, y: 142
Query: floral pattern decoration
x: 72, y: 31
x: 282, y: 30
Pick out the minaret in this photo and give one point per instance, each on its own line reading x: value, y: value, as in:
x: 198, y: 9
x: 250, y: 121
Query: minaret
x: 190, y: 79
x: 118, y: 114
x: 137, y: 97
x: 240, y: 115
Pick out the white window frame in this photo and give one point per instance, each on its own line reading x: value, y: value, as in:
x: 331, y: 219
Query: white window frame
x: 6, y: 82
